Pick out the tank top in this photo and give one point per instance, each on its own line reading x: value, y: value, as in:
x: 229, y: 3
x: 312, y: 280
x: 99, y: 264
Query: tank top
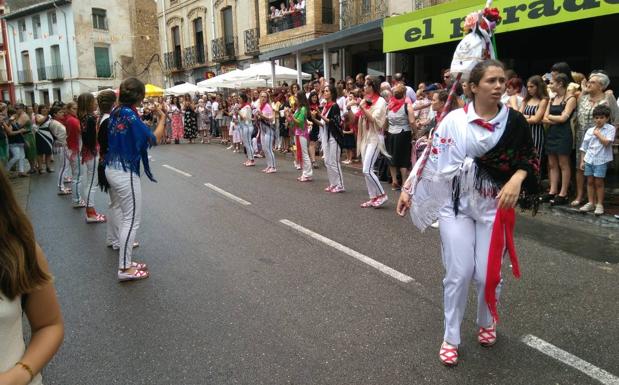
x: 12, y: 336
x: 398, y: 121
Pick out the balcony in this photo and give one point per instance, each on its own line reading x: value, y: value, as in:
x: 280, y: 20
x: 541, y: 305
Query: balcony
x: 252, y: 42
x: 173, y: 60
x: 41, y: 75
x: 24, y: 76
x: 355, y: 12
x: 193, y: 56
x: 224, y: 49
x: 279, y: 23
x: 54, y: 72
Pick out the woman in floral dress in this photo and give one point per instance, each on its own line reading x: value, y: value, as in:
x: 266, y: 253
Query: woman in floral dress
x: 191, y: 121
x: 177, y: 120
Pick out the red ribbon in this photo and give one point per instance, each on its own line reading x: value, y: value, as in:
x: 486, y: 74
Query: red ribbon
x: 485, y: 124
x: 502, y: 237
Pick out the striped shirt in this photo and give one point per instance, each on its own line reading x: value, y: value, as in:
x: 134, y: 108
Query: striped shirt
x: 595, y: 152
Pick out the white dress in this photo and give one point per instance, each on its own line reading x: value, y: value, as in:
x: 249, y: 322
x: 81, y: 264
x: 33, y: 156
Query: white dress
x: 12, y: 346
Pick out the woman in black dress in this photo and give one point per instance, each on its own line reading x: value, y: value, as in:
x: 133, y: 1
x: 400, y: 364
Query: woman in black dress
x: 559, y: 140
x: 44, y: 139
x: 191, y: 121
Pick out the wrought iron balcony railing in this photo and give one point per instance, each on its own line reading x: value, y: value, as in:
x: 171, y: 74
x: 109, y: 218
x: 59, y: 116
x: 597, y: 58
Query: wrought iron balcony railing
x: 355, y: 12
x: 24, y: 76
x: 41, y: 75
x: 173, y: 60
x: 224, y: 48
x: 194, y: 56
x: 252, y: 42
x: 289, y: 21
x: 54, y: 72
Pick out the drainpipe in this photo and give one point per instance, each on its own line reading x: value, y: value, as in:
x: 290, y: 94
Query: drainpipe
x: 165, y: 35
x: 341, y: 14
x: 66, y: 33
x: 15, y: 56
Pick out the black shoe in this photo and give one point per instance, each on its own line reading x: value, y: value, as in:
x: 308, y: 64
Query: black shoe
x: 558, y: 201
x: 547, y: 198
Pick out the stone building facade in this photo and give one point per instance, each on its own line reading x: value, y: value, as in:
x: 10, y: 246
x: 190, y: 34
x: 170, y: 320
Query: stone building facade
x: 7, y: 87
x: 63, y: 48
x: 201, y: 38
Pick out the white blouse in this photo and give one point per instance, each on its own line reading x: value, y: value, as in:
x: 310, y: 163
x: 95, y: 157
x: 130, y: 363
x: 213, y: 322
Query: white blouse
x: 12, y: 346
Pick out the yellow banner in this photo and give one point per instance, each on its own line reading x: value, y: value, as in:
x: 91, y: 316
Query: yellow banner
x: 443, y: 22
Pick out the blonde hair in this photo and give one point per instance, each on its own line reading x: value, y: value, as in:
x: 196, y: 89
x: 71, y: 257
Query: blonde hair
x: 20, y: 272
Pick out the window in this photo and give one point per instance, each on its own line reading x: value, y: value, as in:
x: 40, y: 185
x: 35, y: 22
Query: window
x: 176, y: 43
x: 102, y: 62
x: 199, y: 40
x: 99, y: 19
x: 36, y: 27
x: 40, y: 63
x: 57, y: 95
x: 55, y: 70
x: 21, y: 26
x: 52, y: 23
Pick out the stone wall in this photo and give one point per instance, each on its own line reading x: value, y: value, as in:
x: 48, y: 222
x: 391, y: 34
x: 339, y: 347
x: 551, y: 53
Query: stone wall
x: 146, y: 59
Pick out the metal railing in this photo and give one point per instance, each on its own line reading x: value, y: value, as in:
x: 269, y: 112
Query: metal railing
x: 54, y: 72
x: 224, y: 48
x: 193, y: 56
x: 24, y: 76
x: 286, y: 22
x: 173, y: 61
x: 252, y: 42
x: 355, y: 12
x: 41, y: 75
x: 421, y: 4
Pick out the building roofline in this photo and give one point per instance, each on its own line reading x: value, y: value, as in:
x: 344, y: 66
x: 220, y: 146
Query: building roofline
x: 42, y: 6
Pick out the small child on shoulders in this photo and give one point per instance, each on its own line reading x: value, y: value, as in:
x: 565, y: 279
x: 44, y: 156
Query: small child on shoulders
x: 598, y: 153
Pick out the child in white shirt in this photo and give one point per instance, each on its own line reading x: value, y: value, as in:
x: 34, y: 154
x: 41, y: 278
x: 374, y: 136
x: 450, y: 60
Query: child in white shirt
x: 598, y: 153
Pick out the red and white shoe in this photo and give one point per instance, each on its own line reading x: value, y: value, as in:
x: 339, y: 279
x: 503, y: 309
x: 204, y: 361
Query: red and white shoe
x: 369, y: 203
x: 329, y: 188
x: 97, y: 218
x: 380, y: 200
x: 271, y: 170
x: 265, y: 169
x: 337, y: 189
x: 448, y: 354
x: 487, y: 336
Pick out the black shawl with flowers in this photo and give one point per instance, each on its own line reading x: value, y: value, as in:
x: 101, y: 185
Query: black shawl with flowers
x: 514, y: 151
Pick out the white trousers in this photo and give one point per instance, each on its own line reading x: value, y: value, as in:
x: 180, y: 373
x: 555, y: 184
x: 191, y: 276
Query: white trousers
x: 246, y: 131
x: 64, y: 169
x: 76, y: 175
x: 308, y: 171
x: 465, y: 241
x: 267, y: 147
x: 128, y: 192
x: 18, y: 155
x: 114, y: 218
x: 371, y: 180
x: 332, y: 153
x: 90, y: 189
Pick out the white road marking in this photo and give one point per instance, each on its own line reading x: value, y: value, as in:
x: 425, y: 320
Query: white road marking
x: 228, y: 195
x: 346, y: 250
x: 177, y: 170
x: 567, y: 358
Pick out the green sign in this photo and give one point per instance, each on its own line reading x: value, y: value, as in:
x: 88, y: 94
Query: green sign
x: 443, y: 22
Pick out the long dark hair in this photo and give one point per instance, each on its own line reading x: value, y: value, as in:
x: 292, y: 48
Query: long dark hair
x: 20, y: 272
x: 542, y: 92
x: 302, y: 100
x: 85, y: 105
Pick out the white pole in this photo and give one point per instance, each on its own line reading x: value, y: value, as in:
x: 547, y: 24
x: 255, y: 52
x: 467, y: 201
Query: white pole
x: 326, y: 62
x: 273, y: 73
x: 299, y: 72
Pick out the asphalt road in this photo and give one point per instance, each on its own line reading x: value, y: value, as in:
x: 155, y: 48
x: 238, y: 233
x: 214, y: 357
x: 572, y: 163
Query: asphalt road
x: 238, y: 297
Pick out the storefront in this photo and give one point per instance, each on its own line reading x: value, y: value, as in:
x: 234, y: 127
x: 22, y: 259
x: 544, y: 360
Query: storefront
x: 531, y: 37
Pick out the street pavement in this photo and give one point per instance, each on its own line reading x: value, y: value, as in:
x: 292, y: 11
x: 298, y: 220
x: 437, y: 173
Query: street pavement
x: 238, y: 296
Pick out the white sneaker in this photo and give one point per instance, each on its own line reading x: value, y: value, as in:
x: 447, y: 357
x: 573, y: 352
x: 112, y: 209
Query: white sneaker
x: 434, y: 225
x: 587, y: 207
x: 599, y: 209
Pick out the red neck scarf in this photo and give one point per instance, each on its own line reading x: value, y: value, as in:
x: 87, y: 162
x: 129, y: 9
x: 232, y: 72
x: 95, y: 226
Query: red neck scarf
x: 326, y: 108
x: 396, y: 104
x: 262, y: 107
x: 483, y: 123
x: 244, y: 105
x: 314, y: 106
x: 374, y: 99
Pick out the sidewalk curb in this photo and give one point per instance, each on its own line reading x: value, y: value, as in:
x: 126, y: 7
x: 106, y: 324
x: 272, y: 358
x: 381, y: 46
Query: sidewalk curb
x: 607, y: 221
